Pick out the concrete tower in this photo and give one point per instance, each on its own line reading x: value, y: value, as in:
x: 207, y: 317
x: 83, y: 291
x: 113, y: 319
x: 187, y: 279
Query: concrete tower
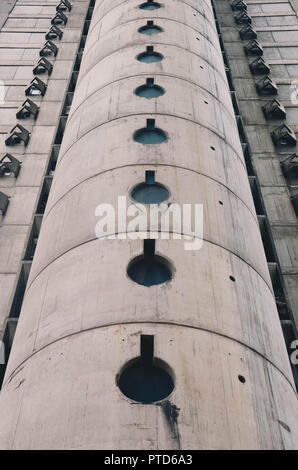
x: 151, y: 109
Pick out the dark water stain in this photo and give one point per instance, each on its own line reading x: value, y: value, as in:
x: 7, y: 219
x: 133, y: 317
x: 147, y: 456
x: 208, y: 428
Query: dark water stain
x: 284, y: 425
x: 171, y: 413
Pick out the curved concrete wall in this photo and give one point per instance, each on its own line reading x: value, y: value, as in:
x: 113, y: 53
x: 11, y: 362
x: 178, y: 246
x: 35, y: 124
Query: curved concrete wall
x: 82, y: 316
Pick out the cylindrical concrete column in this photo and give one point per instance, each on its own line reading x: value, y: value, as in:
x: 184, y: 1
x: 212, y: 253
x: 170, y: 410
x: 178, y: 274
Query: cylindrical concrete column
x: 214, y: 324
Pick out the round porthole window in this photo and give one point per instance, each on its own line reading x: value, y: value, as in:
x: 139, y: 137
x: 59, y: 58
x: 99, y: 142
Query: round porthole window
x: 150, y: 193
x: 150, y: 5
x: 150, y: 134
x: 150, y: 28
x: 149, y: 56
x: 144, y: 382
x: 149, y: 270
x: 149, y: 90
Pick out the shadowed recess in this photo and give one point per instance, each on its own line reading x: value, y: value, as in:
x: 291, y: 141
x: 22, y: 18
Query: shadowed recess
x: 150, y: 90
x: 150, y: 192
x: 146, y: 379
x: 150, y: 5
x: 150, y: 28
x: 150, y: 55
x: 150, y: 134
x: 149, y: 269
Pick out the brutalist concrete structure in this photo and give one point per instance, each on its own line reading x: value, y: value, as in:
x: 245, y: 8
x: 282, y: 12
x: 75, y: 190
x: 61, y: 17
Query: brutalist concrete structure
x: 124, y: 94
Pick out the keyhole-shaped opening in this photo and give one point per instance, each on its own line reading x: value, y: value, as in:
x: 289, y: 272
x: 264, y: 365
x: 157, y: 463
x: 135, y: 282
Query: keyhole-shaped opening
x: 149, y: 269
x: 150, y: 55
x: 150, y: 192
x: 149, y: 90
x: 146, y: 379
x: 150, y: 28
x: 150, y: 5
x: 150, y: 134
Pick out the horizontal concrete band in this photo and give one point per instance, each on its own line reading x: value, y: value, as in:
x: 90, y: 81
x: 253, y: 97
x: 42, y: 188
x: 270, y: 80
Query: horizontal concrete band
x: 127, y: 125
x: 25, y: 29
x: 172, y: 232
x: 228, y: 221
x: 69, y: 379
x: 70, y: 171
x: 162, y: 47
x: 276, y: 28
x: 45, y: 16
x: 106, y: 19
x: 247, y: 202
x: 256, y: 260
x: 211, y: 37
x: 8, y: 63
x: 8, y: 45
x: 261, y: 2
x: 199, y: 78
x: 239, y: 57
x: 270, y: 14
x: 257, y: 15
x: 282, y: 62
x: 12, y: 373
x: 78, y: 289
x: 169, y: 83
x: 169, y: 8
x: 159, y: 116
x: 78, y: 10
x: 185, y: 33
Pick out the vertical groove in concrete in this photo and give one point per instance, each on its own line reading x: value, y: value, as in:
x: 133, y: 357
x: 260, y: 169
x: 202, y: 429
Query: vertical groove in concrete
x: 215, y: 323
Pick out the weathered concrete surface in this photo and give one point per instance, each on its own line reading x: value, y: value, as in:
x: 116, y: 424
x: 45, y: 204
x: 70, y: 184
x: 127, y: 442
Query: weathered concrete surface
x: 82, y: 316
x: 20, y: 43
x: 5, y: 9
x: 75, y: 378
x: 276, y: 24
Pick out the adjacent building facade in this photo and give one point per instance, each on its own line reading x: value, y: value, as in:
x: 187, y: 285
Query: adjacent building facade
x: 127, y: 340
